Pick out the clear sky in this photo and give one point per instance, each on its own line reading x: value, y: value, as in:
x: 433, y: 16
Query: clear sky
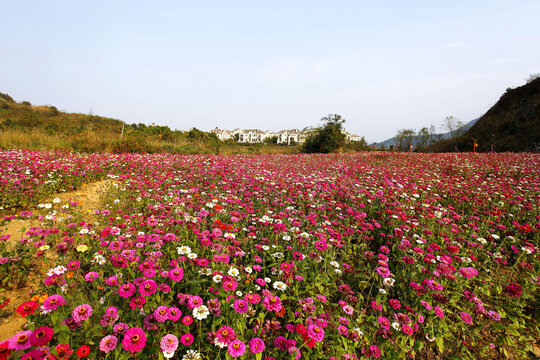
x: 382, y: 65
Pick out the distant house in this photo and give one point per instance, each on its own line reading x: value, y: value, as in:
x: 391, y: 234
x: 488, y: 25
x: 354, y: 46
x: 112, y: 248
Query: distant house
x: 257, y: 136
x: 222, y: 134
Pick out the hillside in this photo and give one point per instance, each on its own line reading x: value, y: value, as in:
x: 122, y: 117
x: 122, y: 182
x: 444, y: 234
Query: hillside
x: 25, y: 126
x: 392, y: 141
x: 512, y: 124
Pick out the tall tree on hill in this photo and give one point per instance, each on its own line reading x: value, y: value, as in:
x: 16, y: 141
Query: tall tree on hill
x: 404, y: 139
x: 452, y: 125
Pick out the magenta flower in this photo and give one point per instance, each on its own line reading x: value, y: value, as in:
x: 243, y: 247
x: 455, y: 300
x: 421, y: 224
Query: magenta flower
x: 176, y: 274
x: 20, y: 341
x: 161, y: 314
x: 438, y: 311
x: 148, y: 287
x: 169, y: 343
x: 225, y: 334
x: 174, y: 314
x: 272, y: 303
x: 187, y: 339
x: 91, y: 276
x: 468, y: 272
x: 194, y: 301
x: 465, y: 317
x: 134, y: 340
x: 256, y: 345
x: 53, y: 302
x: 108, y: 343
x: 315, y: 332
x: 240, y: 306
x: 236, y: 348
x: 41, y: 336
x: 126, y: 290
x: 82, y: 313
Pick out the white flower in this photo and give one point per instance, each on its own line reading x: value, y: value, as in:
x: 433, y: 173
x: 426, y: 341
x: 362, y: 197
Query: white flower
x: 382, y: 291
x: 47, y: 206
x: 389, y: 281
x: 264, y: 247
x: 183, y: 250
x: 268, y: 280
x: 201, y: 312
x: 233, y: 272
x: 338, y: 271
x: 192, y: 355
x: 278, y: 285
x: 56, y: 200
x: 217, y: 278
x: 248, y: 270
x: 239, y: 293
x: 334, y: 264
x: 286, y: 238
x: 83, y: 231
x: 192, y: 256
x: 168, y: 355
x: 395, y: 325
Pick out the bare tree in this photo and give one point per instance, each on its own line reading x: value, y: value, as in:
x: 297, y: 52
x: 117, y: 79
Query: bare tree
x: 533, y: 77
x: 453, y: 125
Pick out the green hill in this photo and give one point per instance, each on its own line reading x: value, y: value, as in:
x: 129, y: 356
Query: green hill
x: 512, y: 124
x: 25, y: 126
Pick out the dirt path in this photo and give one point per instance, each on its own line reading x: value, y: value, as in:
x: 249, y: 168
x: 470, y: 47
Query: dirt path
x: 88, y: 198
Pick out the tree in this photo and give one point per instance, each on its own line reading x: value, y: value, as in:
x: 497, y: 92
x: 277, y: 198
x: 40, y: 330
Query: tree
x: 453, y: 125
x: 328, y: 138
x: 423, y: 137
x: 533, y: 77
x: 271, y: 140
x: 404, y: 139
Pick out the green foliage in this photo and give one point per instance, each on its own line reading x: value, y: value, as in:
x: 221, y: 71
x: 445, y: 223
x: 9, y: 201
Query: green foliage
x: 328, y: 138
x: 271, y: 140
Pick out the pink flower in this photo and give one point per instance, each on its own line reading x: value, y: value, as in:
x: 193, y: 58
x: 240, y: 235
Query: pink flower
x: 161, y: 314
x: 272, y: 303
x: 407, y: 329
x: 176, y: 274
x: 126, y: 290
x: 225, y: 334
x: 41, y: 336
x: 53, y: 302
x: 465, y: 317
x: 384, y: 322
x: 82, y: 313
x: 468, y: 272
x: 174, y: 314
x: 256, y: 345
x: 134, y: 340
x: 169, y: 343
x: 236, y: 348
x: 438, y: 311
x: 20, y: 340
x: 373, y: 351
x: 187, y: 339
x: 91, y: 276
x: 194, y: 301
x: 108, y: 343
x: 240, y: 306
x: 148, y: 287
x: 315, y: 332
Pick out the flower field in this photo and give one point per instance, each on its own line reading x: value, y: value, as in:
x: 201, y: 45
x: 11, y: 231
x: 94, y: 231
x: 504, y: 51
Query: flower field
x: 347, y: 256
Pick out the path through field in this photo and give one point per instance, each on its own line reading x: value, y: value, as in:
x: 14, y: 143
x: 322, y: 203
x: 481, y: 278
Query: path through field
x: 88, y: 198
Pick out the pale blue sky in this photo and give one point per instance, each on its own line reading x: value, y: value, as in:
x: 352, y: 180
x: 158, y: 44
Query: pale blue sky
x: 383, y: 65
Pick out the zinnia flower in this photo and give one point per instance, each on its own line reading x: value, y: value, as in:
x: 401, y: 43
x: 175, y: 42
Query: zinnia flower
x: 240, y: 306
x: 236, y: 348
x: 161, y: 314
x: 466, y: 317
x: 108, y: 343
x: 41, y: 336
x: 187, y: 339
x: 27, y: 308
x: 20, y: 340
x: 169, y: 343
x: 134, y: 340
x: 82, y: 313
x: 315, y: 332
x: 256, y: 345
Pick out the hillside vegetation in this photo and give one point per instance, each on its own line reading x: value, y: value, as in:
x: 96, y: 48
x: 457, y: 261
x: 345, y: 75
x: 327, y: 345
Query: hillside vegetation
x: 512, y: 124
x: 25, y: 126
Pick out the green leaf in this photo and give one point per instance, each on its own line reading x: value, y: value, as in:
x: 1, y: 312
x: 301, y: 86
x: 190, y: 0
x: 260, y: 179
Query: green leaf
x: 440, y: 344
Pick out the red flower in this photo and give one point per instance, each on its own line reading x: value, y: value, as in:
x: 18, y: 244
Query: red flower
x: 83, y: 351
x: 514, y: 289
x: 27, y: 308
x: 4, y: 350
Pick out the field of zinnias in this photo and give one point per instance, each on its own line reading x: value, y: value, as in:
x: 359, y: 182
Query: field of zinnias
x: 350, y: 256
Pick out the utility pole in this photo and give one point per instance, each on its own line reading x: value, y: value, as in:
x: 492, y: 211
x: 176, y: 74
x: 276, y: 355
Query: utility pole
x: 475, y: 145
